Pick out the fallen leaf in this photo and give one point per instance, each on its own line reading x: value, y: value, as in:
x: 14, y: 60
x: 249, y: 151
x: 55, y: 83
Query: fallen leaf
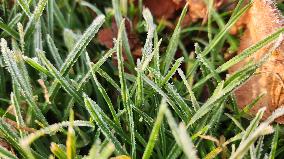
x: 262, y: 19
x: 105, y: 37
x: 164, y: 9
x: 198, y: 9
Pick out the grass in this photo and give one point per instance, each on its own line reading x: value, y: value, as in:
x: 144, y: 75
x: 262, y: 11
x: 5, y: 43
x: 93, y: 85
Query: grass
x: 152, y: 107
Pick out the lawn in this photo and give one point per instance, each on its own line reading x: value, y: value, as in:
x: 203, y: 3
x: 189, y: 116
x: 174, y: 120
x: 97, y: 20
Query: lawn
x: 121, y: 79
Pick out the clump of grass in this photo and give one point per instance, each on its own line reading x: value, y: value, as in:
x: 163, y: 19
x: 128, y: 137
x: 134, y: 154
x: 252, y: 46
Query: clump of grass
x: 96, y: 109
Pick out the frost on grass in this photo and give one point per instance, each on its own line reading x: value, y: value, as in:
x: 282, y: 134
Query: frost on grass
x: 261, y: 20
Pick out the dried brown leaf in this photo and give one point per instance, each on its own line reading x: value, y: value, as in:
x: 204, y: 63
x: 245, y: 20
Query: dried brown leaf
x: 262, y: 19
x: 164, y: 9
x: 198, y: 8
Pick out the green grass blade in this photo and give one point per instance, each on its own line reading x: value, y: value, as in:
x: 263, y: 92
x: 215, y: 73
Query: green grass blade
x: 54, y: 51
x: 172, y: 71
x: 62, y: 81
x: 25, y: 6
x: 226, y: 28
x: 125, y: 41
x: 194, y: 102
x: 156, y: 52
x: 59, y: 16
x: 107, y: 99
x: 274, y: 143
x: 148, y: 46
x: 244, y: 147
x: 172, y: 91
x: 19, y: 75
x: 94, y: 112
x: 77, y: 51
x: 173, y: 44
x: 91, y: 6
x: 163, y: 94
x: 246, y: 53
x: 174, y: 96
x: 181, y: 136
x: 108, y: 78
x: 237, y: 123
x: 50, y: 17
x: 34, y: 18
x: 150, y: 57
x: 155, y: 131
x: 10, y: 136
x: 81, y: 44
x: 9, y: 30
x: 206, y: 63
x: 12, y: 23
x: 49, y: 130
x: 33, y: 63
x: 15, y: 102
x: 124, y: 89
x: 238, y: 79
x: 221, y: 34
x: 96, y: 67
x: 254, y: 123
x: 139, y: 96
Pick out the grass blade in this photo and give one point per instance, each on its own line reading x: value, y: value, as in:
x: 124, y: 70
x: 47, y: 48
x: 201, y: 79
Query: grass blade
x: 25, y: 6
x: 77, y: 51
x: 58, y: 151
x: 71, y: 140
x: 9, y: 30
x: 96, y: 67
x: 221, y: 34
x: 54, y: 51
x: 163, y: 94
x: 94, y: 111
x: 155, y: 131
x: 124, y: 89
x: 20, y: 76
x: 50, y: 17
x: 65, y: 84
x: 51, y: 129
x: 194, y: 102
x: 173, y: 44
x: 246, y: 53
x: 172, y: 71
x: 15, y: 103
x: 274, y: 143
x: 238, y: 79
x: 125, y: 41
x: 107, y: 99
x: 81, y: 44
x: 34, y: 18
x: 181, y: 136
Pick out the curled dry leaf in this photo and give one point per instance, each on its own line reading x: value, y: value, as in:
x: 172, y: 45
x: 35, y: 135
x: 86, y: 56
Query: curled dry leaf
x: 261, y: 20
